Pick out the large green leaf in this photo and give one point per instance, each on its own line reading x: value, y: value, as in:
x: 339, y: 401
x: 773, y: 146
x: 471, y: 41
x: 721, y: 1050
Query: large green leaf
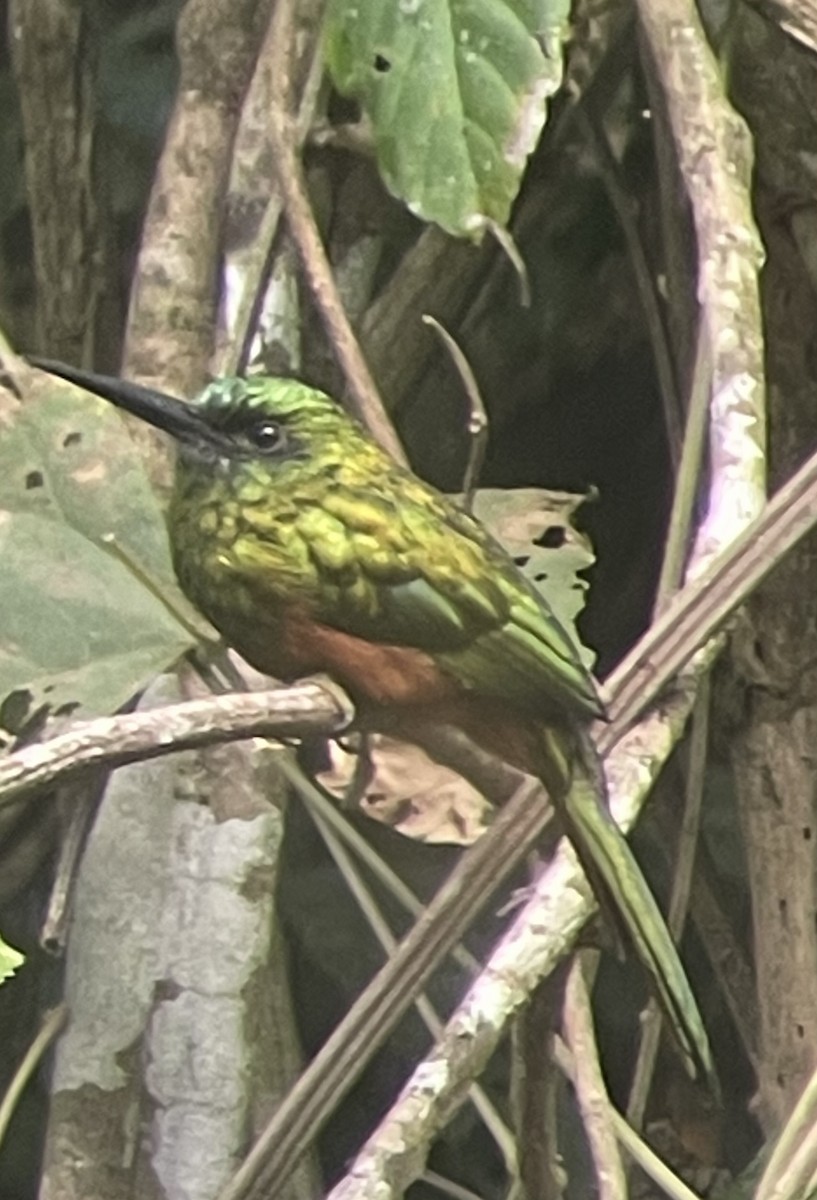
x: 456, y: 93
x: 77, y: 628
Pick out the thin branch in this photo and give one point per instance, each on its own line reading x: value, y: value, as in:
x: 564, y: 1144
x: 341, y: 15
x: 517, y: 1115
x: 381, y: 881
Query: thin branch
x: 174, y: 601
x: 594, y: 1103
x: 455, y: 1190
x: 688, y: 476
x: 534, y: 1094
x: 793, y: 1180
x: 52, y: 1025
x: 368, y: 404
x: 623, y: 204
x: 477, y: 414
x: 723, y: 947
x: 505, y: 240
x: 291, y: 712
x: 78, y: 804
x: 638, y: 1149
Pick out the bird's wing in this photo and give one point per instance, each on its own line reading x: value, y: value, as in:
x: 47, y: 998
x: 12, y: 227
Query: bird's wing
x: 416, y: 570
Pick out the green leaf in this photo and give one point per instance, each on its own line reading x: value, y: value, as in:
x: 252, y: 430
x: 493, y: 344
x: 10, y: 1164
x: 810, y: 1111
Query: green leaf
x: 10, y: 960
x: 456, y: 94
x: 536, y: 528
x: 77, y: 630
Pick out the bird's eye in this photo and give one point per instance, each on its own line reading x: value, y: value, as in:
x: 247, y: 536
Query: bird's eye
x: 266, y: 435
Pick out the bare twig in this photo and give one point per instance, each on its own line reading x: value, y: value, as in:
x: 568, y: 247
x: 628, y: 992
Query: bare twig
x: 173, y: 601
x: 437, y: 274
x: 638, y: 1150
x: 624, y: 205
x: 477, y: 414
x: 594, y: 1103
x: 455, y: 1190
x: 368, y: 405
x: 723, y: 947
x: 52, y: 1025
x: 307, y: 708
x: 688, y: 477
x: 77, y: 803
x: 504, y: 238
x: 535, y: 1087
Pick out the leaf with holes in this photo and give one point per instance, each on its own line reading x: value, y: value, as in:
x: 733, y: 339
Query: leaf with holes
x: 536, y: 528
x: 78, y: 632
x: 456, y: 94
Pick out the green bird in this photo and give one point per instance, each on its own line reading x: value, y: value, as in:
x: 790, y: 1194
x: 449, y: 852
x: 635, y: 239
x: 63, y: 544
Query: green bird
x: 310, y: 550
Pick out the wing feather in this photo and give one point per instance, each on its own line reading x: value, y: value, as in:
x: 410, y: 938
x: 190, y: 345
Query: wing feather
x: 425, y: 574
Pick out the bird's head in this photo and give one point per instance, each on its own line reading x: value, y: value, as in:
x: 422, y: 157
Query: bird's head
x: 261, y: 422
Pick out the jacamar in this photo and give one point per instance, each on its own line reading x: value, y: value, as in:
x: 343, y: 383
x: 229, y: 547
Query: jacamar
x: 311, y: 551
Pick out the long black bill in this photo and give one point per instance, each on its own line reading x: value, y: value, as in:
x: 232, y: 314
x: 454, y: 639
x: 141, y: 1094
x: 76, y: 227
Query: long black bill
x: 158, y: 409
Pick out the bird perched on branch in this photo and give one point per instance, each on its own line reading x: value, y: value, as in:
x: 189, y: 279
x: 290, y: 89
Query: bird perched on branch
x: 310, y: 550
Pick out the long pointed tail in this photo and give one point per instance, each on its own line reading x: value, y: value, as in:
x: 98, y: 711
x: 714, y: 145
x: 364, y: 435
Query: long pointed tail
x: 614, y: 872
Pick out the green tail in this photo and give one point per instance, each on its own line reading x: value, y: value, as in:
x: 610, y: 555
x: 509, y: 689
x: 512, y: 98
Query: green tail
x: 617, y: 879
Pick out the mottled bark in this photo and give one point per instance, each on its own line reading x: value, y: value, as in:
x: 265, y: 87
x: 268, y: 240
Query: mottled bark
x: 774, y: 753
x: 53, y: 63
